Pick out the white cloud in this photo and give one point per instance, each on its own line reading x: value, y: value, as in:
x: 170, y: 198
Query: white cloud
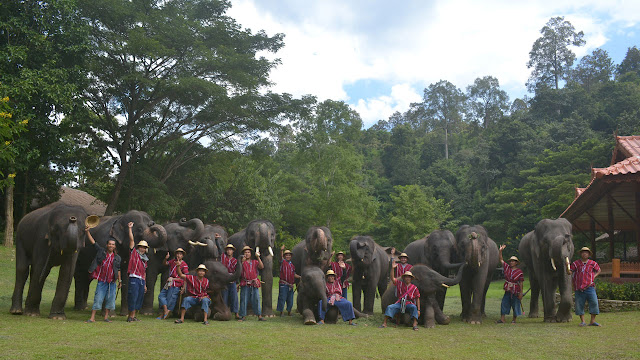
x: 408, y: 45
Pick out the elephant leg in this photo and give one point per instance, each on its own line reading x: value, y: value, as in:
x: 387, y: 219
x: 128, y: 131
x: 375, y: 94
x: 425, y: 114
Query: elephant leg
x: 149, y: 296
x: 535, y: 296
x: 82, y: 281
x: 369, y: 298
x: 65, y: 277
x: 440, y: 317
x: 124, y: 291
x: 331, y: 317
x: 564, y: 308
x: 548, y: 289
x: 484, y: 296
x: 34, y: 295
x: 357, y: 294
x: 22, y: 273
x: 478, y: 285
x: 440, y: 296
x: 465, y: 299
x: 308, y: 316
x: 267, y: 288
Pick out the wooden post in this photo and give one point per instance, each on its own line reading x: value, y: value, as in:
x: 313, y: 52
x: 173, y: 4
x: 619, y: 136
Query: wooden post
x: 593, y: 238
x: 8, y: 208
x: 615, y: 268
x: 611, y: 228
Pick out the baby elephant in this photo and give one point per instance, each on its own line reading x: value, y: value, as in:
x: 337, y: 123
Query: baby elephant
x: 428, y: 282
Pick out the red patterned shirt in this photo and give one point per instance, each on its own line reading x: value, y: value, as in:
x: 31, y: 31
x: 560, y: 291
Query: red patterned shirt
x: 287, y: 273
x: 582, y: 273
x: 410, y: 291
x: 104, y: 272
x: 402, y: 268
x: 197, y: 288
x: 334, y: 291
x: 512, y: 279
x: 335, y: 266
x: 249, y: 275
x: 173, y: 271
x: 229, y: 262
x: 137, y: 266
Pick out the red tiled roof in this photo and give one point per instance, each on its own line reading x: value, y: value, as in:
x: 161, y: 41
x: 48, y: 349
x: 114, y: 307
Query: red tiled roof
x: 630, y: 165
x: 579, y: 191
x: 78, y: 197
x: 630, y: 145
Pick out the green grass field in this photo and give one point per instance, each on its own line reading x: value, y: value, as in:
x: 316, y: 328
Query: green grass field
x: 24, y: 337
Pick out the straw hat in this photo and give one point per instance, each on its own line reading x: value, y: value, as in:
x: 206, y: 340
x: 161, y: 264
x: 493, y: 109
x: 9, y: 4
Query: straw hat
x: 230, y: 246
x: 92, y: 221
x: 201, y: 266
x: 403, y: 255
x: 287, y: 252
x: 586, y: 249
x: 180, y: 250
x: 330, y: 272
x: 340, y: 253
x: 246, y: 248
x: 514, y: 258
x: 143, y: 244
x: 408, y: 273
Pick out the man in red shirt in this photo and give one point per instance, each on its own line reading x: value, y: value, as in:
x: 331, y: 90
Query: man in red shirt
x: 583, y: 274
x: 335, y: 298
x: 169, y: 293
x: 513, y: 280
x: 403, y: 266
x: 106, y: 269
x: 230, y: 293
x: 137, y: 275
x: 288, y: 277
x: 250, y: 284
x: 197, y: 286
x: 409, y: 295
x: 343, y: 271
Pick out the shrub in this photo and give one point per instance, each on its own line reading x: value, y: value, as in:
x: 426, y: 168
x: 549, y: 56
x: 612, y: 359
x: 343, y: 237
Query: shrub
x: 612, y: 291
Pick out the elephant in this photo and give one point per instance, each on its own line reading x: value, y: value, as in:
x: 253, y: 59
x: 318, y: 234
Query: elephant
x: 546, y: 252
x: 429, y: 283
x: 219, y: 278
x: 179, y: 234
x: 47, y: 237
x: 208, y: 246
x: 480, y: 255
x: 314, y: 250
x: 438, y: 251
x: 115, y: 227
x: 371, y: 268
x: 311, y: 290
x: 259, y: 234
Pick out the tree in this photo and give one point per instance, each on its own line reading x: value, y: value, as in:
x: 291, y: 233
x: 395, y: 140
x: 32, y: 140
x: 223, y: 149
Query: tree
x: 487, y: 102
x: 593, y: 69
x: 165, y: 70
x: 551, y: 56
x: 630, y: 63
x: 443, y: 106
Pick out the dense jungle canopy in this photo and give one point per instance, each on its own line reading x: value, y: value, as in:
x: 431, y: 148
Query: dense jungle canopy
x: 164, y: 106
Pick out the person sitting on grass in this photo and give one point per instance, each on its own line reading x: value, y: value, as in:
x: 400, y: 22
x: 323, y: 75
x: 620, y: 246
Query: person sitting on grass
x: 106, y: 269
x: 407, y: 294
x: 250, y: 284
x: 513, y: 280
x: 288, y: 277
x: 230, y: 293
x: 583, y: 274
x: 403, y: 266
x: 197, y: 286
x: 334, y: 298
x: 174, y: 286
x: 137, y: 275
x: 342, y: 270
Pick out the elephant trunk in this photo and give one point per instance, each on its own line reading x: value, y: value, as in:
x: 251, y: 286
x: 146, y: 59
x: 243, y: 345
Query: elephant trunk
x: 320, y: 243
x: 558, y: 258
x: 474, y: 258
x: 155, y: 236
x: 458, y: 277
x: 196, y: 224
x: 71, y: 241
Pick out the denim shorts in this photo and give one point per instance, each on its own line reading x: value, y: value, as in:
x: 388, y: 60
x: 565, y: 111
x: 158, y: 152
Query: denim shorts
x: 582, y: 296
x: 510, y: 301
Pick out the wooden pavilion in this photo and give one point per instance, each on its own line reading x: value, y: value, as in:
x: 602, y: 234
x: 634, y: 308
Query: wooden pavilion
x: 611, y: 201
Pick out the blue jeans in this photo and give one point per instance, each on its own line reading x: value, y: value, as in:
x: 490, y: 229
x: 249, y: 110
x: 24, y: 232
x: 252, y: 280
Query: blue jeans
x: 588, y: 294
x: 285, y: 294
x: 345, y: 292
x: 249, y: 294
x: 190, y: 301
x: 103, y: 290
x: 230, y: 297
x: 510, y: 301
x: 169, y: 297
x: 344, y: 306
x: 393, y: 309
x: 135, y: 294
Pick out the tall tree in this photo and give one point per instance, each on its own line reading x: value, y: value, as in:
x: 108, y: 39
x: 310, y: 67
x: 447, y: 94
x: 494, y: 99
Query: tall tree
x: 443, y: 106
x: 487, y: 102
x: 630, y: 63
x: 165, y: 70
x: 551, y: 56
x: 593, y: 69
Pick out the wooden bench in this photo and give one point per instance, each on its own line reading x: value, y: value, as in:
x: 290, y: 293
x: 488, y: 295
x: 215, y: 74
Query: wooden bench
x: 616, y: 268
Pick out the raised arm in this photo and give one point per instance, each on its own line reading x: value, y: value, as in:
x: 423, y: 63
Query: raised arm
x: 89, y: 237
x: 180, y: 274
x: 502, y: 247
x: 132, y: 243
x: 164, y: 261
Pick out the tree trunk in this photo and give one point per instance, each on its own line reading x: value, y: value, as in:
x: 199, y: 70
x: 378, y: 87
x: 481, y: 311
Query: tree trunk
x: 115, y: 194
x: 8, y: 233
x: 446, y: 142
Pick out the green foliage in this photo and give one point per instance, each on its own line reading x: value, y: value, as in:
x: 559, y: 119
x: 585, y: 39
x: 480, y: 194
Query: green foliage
x: 630, y: 63
x: 612, y: 291
x: 487, y: 102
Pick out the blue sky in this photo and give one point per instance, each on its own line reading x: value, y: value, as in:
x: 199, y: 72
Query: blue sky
x: 378, y: 56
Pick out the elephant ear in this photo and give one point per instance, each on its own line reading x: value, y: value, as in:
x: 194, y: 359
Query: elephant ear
x: 117, y: 231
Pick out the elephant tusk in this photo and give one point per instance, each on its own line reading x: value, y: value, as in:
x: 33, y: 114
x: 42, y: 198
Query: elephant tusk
x: 258, y: 249
x: 479, y: 263
x: 192, y: 243
x: 445, y: 285
x: 566, y: 260
x: 553, y: 265
x: 270, y: 251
